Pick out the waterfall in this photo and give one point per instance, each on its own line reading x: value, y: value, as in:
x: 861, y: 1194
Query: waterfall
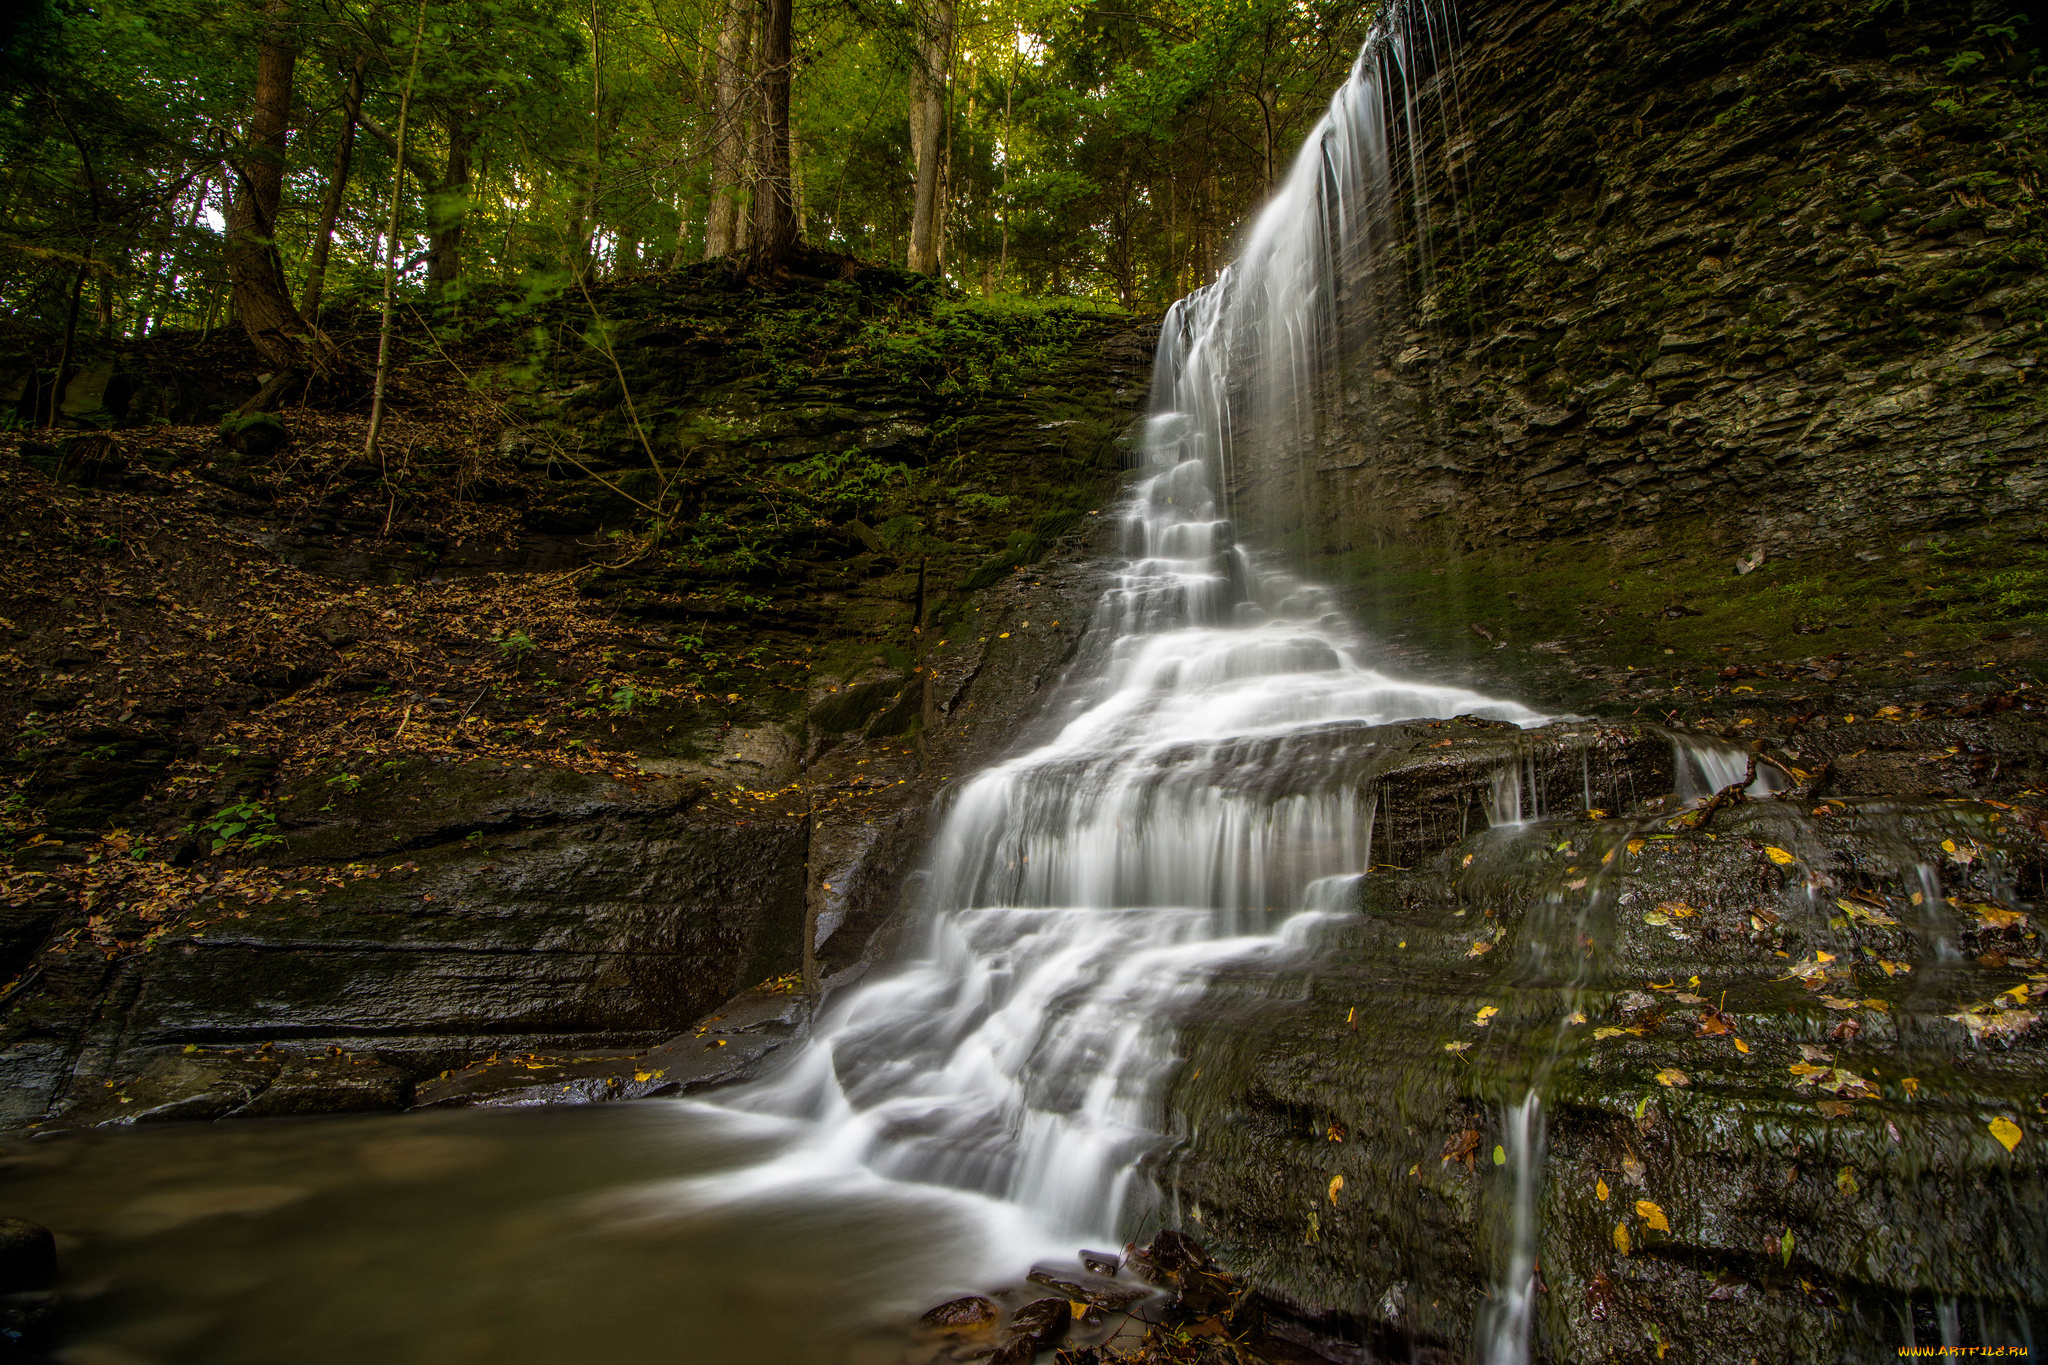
x: 1203, y: 794
x: 1202, y: 800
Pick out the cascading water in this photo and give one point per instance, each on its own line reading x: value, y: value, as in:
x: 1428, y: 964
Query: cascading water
x: 1193, y: 804
x: 1200, y: 801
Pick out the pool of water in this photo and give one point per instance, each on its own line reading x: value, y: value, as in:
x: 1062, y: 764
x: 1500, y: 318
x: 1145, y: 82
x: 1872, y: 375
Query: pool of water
x: 589, y: 1236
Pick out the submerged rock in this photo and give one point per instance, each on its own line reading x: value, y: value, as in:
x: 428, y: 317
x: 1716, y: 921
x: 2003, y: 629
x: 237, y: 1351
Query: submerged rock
x: 28, y: 1256
x: 969, y: 1316
x: 1081, y: 1286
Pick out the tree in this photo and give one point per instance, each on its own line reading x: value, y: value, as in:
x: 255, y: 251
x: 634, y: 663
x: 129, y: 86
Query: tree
x: 292, y: 346
x: 727, y: 137
x: 929, y: 91
x: 776, y: 232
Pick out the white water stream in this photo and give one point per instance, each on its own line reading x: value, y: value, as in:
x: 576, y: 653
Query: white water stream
x: 1201, y: 800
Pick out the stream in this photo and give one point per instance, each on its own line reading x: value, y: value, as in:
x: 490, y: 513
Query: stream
x: 989, y: 1100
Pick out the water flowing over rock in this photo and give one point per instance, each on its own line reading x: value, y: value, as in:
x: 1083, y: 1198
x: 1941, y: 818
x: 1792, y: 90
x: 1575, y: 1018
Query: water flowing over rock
x: 1144, y: 992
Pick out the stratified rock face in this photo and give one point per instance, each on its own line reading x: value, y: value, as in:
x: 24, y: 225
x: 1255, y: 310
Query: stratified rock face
x: 529, y: 909
x: 1767, y: 265
x: 1789, y: 1053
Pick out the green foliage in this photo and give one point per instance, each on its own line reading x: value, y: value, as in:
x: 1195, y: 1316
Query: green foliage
x: 247, y: 823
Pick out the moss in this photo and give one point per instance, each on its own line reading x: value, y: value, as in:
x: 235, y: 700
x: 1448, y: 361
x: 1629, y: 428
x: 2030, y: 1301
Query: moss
x: 1677, y: 606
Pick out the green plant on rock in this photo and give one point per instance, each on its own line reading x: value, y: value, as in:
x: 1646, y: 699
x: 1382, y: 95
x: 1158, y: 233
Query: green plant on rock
x: 248, y: 823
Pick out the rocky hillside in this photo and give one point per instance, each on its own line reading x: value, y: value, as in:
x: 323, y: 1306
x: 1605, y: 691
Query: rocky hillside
x: 633, y: 662
x: 1722, y: 346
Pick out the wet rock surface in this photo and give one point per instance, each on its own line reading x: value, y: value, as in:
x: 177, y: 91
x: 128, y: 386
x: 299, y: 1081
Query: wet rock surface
x: 420, y: 787
x: 1790, y: 1060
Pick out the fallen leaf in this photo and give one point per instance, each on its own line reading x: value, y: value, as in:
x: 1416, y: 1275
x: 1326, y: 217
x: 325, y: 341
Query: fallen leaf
x: 1741, y: 1046
x: 1673, y: 1076
x: 1845, y: 1181
x: 1608, y: 1032
x: 1676, y: 909
x: 1785, y: 1246
x: 1894, y: 968
x: 1336, y: 1187
x: 1459, y: 1048
x: 1713, y: 1024
x: 1836, y: 1002
x: 1632, y: 1167
x: 1479, y: 948
x: 1778, y: 855
x: 1500, y: 1155
x: 1835, y: 1109
x: 1635, y: 845
x: 1621, y: 1238
x: 2006, y: 1131
x: 1578, y: 1017
x: 1994, y: 916
x: 1461, y: 1147
x: 1652, y: 1215
x: 1485, y: 1015
x: 2005, y: 1024
x: 1911, y: 1085
x: 1600, y: 1190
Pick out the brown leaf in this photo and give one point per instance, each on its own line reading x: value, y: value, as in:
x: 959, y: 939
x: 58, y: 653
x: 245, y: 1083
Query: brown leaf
x: 1462, y: 1147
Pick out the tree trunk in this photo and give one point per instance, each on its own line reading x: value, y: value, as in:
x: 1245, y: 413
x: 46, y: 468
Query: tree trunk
x: 775, y: 227
x: 391, y: 264
x: 447, y: 206
x: 64, y: 355
x: 261, y: 298
x: 337, y: 187
x: 729, y: 106
x: 927, y: 120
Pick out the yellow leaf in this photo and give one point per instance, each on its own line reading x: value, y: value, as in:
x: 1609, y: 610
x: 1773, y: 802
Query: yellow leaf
x: 1948, y: 845
x: 1457, y: 1047
x: 1600, y: 1190
x: 1805, y: 1069
x: 1741, y: 1046
x: 1673, y: 1076
x: 1911, y: 1085
x: 1599, y: 1033
x: 1578, y: 1017
x: 2006, y: 1131
x: 1785, y: 1246
x: 1485, y: 1015
x: 1778, y: 855
x: 1336, y: 1187
x: 1621, y: 1238
x: 1467, y: 862
x: 1500, y: 1155
x: 1845, y: 1181
x: 1652, y: 1215
x: 1635, y: 845
x: 1479, y: 948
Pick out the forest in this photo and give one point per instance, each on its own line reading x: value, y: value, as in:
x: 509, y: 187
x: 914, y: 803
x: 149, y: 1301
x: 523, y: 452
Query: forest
x: 197, y: 164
